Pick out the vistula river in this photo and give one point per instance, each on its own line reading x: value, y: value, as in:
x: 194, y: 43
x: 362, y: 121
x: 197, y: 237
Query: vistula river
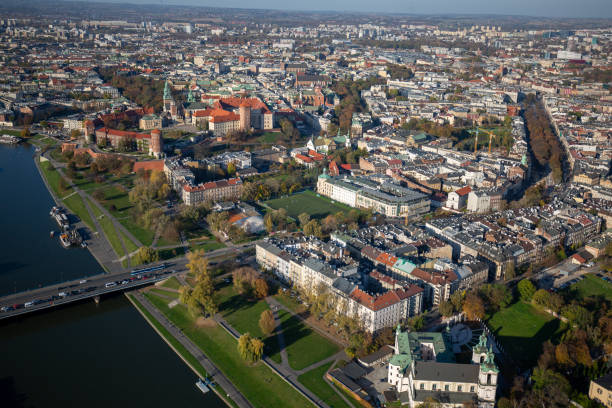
x: 84, y: 354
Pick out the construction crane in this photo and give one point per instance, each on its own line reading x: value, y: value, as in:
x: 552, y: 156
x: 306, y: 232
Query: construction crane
x: 491, y: 136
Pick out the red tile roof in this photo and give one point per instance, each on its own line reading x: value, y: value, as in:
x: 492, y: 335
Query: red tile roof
x: 463, y: 191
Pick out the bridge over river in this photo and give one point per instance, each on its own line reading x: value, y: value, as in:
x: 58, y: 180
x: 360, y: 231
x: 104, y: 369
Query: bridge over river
x: 91, y: 287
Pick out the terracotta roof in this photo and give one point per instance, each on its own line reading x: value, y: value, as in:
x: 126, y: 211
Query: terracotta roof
x: 387, y: 299
x: 463, y: 191
x: 212, y: 184
x: 386, y: 259
x: 123, y: 133
x: 149, y: 165
x: 303, y: 158
x: 253, y: 103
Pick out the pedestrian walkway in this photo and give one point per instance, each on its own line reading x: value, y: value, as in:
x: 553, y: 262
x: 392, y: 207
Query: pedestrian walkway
x: 211, y: 369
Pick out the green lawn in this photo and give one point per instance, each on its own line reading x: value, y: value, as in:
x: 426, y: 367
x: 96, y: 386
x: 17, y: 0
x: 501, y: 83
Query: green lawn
x: 161, y: 241
x: 522, y: 329
x: 109, y: 230
x: 290, y: 303
x: 164, y: 292
x: 308, y: 202
x: 304, y: 346
x: 170, y: 253
x: 269, y: 137
x: 241, y: 313
x: 257, y: 382
x: 592, y: 285
x: 145, y: 236
x: 129, y: 244
x: 53, y: 178
x: 313, y: 380
x: 76, y: 205
x: 206, y: 246
x: 171, y: 283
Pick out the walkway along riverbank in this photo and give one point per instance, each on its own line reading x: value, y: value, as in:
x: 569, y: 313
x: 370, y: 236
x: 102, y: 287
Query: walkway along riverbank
x: 236, y: 398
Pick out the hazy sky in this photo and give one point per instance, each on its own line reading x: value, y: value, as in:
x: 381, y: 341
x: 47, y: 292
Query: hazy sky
x: 548, y: 8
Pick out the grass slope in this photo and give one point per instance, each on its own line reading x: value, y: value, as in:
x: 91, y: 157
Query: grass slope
x: 522, y: 329
x: 76, y: 205
x: 257, y: 382
x: 592, y: 285
x: 304, y: 346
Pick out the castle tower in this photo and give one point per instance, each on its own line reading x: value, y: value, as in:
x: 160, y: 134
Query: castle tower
x: 156, y: 146
x: 245, y: 116
x: 90, y: 131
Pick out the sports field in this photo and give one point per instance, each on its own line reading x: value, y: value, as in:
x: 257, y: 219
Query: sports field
x: 307, y: 202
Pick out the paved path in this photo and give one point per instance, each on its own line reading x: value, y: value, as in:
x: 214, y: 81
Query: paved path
x: 97, y: 244
x: 211, y: 369
x: 287, y: 373
x: 280, y: 336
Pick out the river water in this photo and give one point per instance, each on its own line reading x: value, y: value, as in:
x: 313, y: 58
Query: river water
x: 79, y: 355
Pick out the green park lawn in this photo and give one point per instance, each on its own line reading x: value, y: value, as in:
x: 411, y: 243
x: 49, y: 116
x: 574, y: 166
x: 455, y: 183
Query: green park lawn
x: 313, y: 380
x: 262, y: 387
x: 205, y: 245
x: 77, y: 206
x: 304, y: 346
x: 522, y: 329
x: 164, y: 292
x: 307, y: 202
x: 171, y: 283
x: 108, y: 228
x: 241, y: 313
x: 269, y: 137
x: 53, y: 178
x: 290, y: 303
x: 129, y: 244
x: 592, y: 285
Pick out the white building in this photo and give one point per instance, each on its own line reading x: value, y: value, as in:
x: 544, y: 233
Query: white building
x: 423, y: 367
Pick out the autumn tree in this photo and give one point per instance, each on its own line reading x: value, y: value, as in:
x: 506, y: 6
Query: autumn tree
x: 260, y: 288
x: 146, y: 255
x: 473, y: 307
x: 304, y: 218
x: 266, y: 322
x: 446, y: 309
x: 203, y: 290
x: 244, y: 279
x: 250, y: 348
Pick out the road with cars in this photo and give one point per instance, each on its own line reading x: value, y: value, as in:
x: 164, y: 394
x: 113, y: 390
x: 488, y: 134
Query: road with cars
x: 72, y: 291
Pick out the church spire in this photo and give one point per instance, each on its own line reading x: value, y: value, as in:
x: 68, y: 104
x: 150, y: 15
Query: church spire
x: 167, y: 93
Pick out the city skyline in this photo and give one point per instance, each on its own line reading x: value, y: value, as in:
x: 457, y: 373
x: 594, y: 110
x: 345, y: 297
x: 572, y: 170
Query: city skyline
x: 541, y: 8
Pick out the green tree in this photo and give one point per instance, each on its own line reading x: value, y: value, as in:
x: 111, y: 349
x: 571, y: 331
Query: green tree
x: 577, y: 315
x: 231, y: 169
x: 526, y: 290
